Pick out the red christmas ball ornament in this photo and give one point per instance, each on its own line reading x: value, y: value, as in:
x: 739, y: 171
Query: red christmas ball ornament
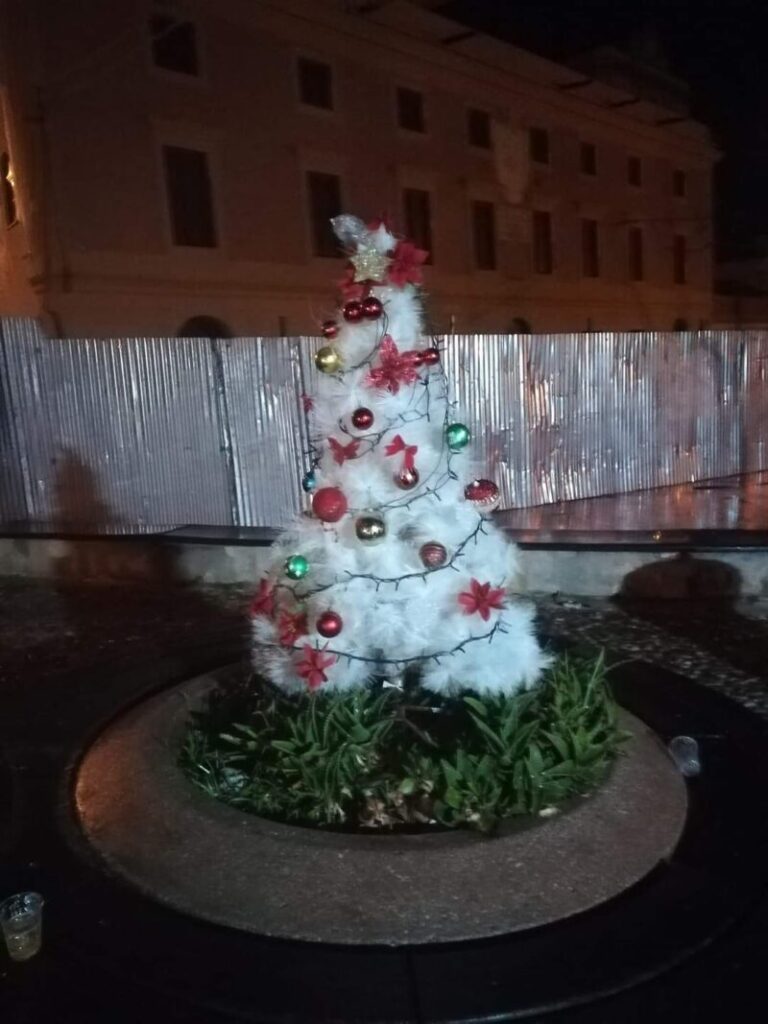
x: 372, y: 308
x: 362, y: 418
x: 433, y: 554
x: 407, y: 478
x: 352, y: 311
x: 329, y: 504
x: 329, y: 624
x: 431, y: 356
x: 484, y: 494
x: 329, y: 329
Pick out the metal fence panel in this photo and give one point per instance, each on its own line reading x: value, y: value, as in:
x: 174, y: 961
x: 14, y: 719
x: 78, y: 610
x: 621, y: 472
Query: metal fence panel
x: 120, y: 431
x: 263, y: 385
x: 755, y: 401
x: 566, y: 416
x: 168, y: 431
x: 697, y: 428
x: 13, y: 499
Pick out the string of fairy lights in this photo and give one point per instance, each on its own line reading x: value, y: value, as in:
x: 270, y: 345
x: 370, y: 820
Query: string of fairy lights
x: 498, y: 627
x: 372, y: 440
x: 341, y: 373
x: 387, y: 368
x: 348, y: 577
x: 424, y: 489
x: 318, y: 445
x: 407, y: 416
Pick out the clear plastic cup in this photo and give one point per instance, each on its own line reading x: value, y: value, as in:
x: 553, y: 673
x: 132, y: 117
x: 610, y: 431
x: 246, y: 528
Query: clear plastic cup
x: 684, y: 751
x: 21, y: 920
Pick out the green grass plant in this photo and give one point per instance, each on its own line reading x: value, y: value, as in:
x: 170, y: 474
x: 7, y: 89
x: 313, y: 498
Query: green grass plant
x: 385, y: 758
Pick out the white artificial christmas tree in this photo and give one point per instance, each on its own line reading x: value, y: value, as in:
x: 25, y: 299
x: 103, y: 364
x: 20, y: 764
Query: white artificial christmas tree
x: 399, y: 564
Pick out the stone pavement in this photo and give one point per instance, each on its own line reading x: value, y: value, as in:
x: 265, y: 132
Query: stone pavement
x: 50, y: 630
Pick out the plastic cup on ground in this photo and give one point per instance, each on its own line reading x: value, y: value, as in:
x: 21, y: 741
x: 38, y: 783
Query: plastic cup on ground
x: 684, y: 751
x: 21, y: 920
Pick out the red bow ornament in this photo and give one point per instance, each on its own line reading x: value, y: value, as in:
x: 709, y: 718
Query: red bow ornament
x: 343, y: 452
x: 397, y: 445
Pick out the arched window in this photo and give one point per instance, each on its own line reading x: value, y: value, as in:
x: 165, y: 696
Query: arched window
x: 204, y: 327
x: 10, y: 210
x: 520, y: 325
x: 680, y: 324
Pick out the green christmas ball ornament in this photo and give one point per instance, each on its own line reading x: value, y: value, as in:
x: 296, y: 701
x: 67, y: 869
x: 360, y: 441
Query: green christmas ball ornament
x: 457, y: 436
x: 296, y: 567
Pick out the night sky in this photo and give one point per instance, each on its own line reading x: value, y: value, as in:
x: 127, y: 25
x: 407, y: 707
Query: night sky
x: 720, y: 48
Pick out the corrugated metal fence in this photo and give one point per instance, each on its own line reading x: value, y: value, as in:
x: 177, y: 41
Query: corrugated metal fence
x: 166, y: 431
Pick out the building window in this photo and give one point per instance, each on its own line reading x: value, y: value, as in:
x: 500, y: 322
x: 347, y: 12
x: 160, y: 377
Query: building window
x: 190, y: 196
x: 679, y: 258
x: 418, y: 218
x: 538, y: 145
x: 315, y: 83
x: 410, y: 110
x: 174, y: 44
x: 590, y: 249
x: 542, y: 242
x: 484, y: 234
x: 634, y: 171
x: 588, y: 158
x: 324, y: 192
x: 479, y: 128
x: 10, y: 210
x: 679, y: 183
x: 635, y: 244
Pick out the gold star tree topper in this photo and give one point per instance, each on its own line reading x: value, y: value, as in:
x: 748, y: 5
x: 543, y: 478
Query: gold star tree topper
x: 369, y: 264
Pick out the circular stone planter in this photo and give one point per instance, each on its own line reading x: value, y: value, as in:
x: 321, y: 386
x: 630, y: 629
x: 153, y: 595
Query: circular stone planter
x: 154, y: 828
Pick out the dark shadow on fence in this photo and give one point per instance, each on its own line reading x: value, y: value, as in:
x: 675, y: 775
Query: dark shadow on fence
x: 104, y: 581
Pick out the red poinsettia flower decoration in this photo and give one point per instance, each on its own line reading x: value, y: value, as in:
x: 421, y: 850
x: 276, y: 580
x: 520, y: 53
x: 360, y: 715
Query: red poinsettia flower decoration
x: 290, y: 626
x: 395, y: 367
x: 481, y: 599
x: 343, y: 452
x: 264, y: 601
x: 406, y: 264
x: 397, y: 445
x: 313, y: 665
x: 350, y: 288
x: 382, y: 221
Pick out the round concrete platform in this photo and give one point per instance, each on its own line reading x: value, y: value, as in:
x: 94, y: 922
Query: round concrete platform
x: 187, y: 850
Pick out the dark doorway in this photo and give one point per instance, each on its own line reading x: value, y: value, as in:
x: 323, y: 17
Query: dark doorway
x: 204, y: 327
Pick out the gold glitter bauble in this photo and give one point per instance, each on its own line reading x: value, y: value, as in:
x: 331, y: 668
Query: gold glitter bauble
x: 327, y: 359
x: 370, y: 529
x: 369, y: 264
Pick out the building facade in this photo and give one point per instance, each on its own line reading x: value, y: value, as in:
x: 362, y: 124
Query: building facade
x: 170, y: 168
x: 741, y: 292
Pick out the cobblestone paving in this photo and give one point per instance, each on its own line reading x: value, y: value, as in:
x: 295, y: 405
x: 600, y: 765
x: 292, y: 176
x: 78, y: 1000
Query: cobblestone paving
x: 49, y: 631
